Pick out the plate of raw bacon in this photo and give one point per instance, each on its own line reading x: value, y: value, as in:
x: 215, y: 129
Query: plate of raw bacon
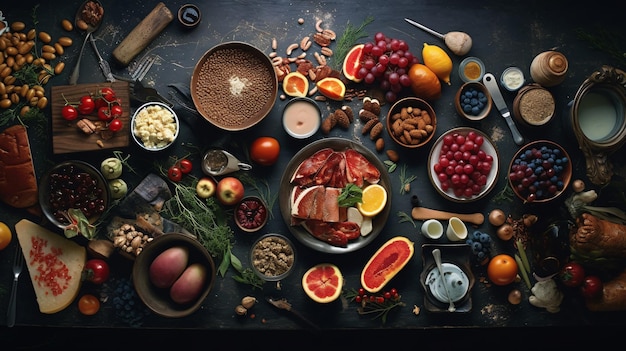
x: 311, y: 184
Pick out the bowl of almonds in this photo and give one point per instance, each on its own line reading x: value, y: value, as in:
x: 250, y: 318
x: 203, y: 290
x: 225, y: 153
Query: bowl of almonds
x: 411, y: 122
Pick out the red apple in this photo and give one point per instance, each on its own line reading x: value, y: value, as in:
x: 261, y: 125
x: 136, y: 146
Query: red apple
x: 229, y: 191
x: 205, y: 188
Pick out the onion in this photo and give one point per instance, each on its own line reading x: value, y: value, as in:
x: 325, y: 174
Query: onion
x: 515, y: 297
x: 497, y: 217
x: 578, y: 185
x: 505, y: 232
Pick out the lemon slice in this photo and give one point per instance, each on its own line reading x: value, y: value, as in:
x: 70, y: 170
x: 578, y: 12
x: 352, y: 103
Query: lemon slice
x: 373, y: 200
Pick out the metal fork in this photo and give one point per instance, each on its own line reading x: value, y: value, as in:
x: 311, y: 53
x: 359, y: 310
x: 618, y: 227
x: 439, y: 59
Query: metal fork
x: 18, y: 264
x: 142, y: 67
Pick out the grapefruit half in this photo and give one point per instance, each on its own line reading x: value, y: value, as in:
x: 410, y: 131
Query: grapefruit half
x: 352, y: 63
x: 323, y: 282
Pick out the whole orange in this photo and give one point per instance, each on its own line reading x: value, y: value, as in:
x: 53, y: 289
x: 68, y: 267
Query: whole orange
x: 502, y: 269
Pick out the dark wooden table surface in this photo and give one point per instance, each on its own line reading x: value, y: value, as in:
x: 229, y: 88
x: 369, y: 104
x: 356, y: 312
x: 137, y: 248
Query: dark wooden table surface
x: 504, y: 34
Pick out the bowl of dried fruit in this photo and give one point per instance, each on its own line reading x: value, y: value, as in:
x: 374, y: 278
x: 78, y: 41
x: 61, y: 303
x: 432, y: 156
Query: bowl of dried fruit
x: 540, y: 171
x: 234, y: 86
x: 411, y: 122
x: 251, y: 214
x: 71, y: 187
x: 272, y: 257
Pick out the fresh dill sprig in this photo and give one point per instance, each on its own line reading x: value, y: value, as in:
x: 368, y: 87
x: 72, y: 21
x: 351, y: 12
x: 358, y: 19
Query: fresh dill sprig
x: 347, y: 40
x: 404, y: 217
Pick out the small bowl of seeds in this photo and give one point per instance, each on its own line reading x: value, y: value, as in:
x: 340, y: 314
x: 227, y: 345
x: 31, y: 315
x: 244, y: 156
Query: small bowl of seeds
x: 272, y: 257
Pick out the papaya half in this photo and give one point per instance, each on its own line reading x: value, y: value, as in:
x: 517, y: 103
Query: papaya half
x: 386, y: 262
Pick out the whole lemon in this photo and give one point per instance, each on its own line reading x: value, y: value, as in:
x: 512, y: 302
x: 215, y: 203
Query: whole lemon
x: 5, y: 235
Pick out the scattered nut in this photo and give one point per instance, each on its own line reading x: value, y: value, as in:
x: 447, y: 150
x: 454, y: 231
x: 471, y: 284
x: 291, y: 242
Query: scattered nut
x: 240, y: 310
x: 393, y: 155
x: 300, y: 20
x: 380, y: 144
x: 248, y: 301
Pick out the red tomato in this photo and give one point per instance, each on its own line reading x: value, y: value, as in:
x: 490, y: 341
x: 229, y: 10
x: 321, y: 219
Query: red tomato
x: 108, y: 94
x: 572, y: 274
x: 175, y: 174
x: 96, y: 271
x: 185, y: 166
x: 100, y: 102
x: 502, y: 269
x: 115, y: 125
x: 591, y: 287
x: 265, y: 151
x: 88, y: 305
x: 104, y: 114
x: 69, y: 113
x: 116, y: 111
x: 86, y: 105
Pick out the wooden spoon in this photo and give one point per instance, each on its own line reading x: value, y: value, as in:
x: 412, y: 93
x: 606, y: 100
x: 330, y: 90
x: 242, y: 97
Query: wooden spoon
x: 423, y: 213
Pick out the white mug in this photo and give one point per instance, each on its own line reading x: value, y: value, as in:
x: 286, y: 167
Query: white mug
x: 456, y: 230
x: 432, y: 229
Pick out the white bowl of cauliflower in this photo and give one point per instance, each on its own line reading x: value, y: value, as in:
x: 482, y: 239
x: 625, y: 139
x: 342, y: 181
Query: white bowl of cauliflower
x: 154, y: 126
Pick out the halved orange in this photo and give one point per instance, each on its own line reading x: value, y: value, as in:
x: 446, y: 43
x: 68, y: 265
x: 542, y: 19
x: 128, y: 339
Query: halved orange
x: 296, y: 84
x: 373, y: 200
x: 332, y: 88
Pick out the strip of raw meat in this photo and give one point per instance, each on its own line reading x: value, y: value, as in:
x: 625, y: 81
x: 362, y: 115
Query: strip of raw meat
x: 339, y: 180
x: 359, y: 168
x: 324, y: 231
x: 350, y: 229
x: 309, y: 167
x: 302, y: 205
x: 328, y: 170
x: 331, y: 205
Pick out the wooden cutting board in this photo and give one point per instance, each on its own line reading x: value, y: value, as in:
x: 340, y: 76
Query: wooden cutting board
x: 68, y: 138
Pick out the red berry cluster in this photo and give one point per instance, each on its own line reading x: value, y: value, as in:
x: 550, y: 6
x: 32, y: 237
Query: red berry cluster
x: 389, y: 295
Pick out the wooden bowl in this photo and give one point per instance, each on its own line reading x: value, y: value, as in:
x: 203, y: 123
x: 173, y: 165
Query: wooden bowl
x: 541, y: 180
x: 234, y: 86
x: 473, y: 101
x: 411, y: 110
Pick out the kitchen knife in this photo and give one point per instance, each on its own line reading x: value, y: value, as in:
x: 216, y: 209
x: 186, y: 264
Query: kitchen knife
x: 492, y: 85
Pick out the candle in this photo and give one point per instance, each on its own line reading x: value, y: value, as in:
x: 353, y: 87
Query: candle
x: 301, y: 118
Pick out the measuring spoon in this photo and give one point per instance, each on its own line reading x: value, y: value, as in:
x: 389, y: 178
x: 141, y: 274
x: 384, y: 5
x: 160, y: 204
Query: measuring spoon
x: 86, y: 6
x: 459, y: 43
x: 218, y: 162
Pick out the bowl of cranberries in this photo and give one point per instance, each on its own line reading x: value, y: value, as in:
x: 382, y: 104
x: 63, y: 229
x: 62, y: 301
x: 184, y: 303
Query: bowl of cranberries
x: 71, y: 187
x: 540, y: 171
x: 463, y: 165
x: 251, y: 214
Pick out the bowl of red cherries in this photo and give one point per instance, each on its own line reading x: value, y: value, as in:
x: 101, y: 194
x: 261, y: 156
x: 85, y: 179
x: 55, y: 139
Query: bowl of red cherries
x: 463, y: 165
x: 540, y: 171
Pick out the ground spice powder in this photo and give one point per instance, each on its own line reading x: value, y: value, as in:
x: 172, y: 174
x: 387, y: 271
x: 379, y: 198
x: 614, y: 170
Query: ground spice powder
x: 536, y: 106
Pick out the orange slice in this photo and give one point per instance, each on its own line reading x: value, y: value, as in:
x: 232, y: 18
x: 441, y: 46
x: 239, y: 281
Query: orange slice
x: 374, y: 199
x: 296, y: 84
x: 332, y: 88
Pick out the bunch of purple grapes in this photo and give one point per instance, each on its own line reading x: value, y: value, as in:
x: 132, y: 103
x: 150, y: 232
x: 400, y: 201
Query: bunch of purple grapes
x: 386, y: 61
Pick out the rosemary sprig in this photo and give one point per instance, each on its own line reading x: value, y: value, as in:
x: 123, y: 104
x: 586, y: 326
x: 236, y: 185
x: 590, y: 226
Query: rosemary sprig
x: 605, y: 41
x: 405, y: 180
x: 347, y: 40
x: 505, y: 195
x: 404, y: 217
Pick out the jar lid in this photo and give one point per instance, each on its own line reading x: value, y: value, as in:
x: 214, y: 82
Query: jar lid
x: 557, y: 63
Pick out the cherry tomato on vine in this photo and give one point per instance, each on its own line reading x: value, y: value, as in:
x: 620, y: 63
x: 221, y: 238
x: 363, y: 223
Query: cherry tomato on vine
x: 115, y: 125
x: 108, y: 94
x: 175, y: 174
x: 100, y: 102
x: 104, y: 114
x: 69, y: 113
x: 88, y: 305
x: 185, y: 166
x: 116, y: 111
x: 86, y: 105
x: 96, y: 271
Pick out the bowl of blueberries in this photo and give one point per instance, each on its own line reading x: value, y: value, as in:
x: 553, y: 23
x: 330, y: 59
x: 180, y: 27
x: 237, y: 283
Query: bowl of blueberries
x: 473, y: 101
x: 540, y: 171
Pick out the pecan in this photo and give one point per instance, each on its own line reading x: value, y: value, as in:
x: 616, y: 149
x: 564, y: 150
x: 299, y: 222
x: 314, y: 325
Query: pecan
x: 377, y: 131
x: 329, y: 33
x: 321, y: 39
x: 87, y: 126
x: 322, y: 72
x: 320, y: 59
x: 304, y: 67
x: 305, y: 43
x: 326, y: 51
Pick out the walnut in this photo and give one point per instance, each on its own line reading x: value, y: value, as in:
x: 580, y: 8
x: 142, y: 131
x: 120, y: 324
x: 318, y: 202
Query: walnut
x: 321, y: 39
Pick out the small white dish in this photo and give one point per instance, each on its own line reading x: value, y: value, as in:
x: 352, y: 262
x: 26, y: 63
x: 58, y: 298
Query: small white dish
x: 512, y: 79
x: 302, y: 117
x: 432, y: 229
x: 456, y: 230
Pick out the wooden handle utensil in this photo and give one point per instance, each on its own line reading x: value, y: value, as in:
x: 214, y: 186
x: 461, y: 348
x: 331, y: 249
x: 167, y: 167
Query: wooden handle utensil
x: 423, y: 213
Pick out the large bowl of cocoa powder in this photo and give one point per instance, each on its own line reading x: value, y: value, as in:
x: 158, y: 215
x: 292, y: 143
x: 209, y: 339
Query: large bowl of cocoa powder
x: 234, y: 86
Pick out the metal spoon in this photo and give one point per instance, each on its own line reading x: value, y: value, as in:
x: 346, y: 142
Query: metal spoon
x: 459, y: 43
x: 437, y: 256
x: 90, y: 29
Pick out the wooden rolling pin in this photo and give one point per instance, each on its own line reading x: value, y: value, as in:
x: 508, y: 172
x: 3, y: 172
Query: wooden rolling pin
x: 143, y: 34
x: 423, y: 213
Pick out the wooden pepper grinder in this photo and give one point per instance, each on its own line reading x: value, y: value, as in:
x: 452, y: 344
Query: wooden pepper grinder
x: 549, y: 68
